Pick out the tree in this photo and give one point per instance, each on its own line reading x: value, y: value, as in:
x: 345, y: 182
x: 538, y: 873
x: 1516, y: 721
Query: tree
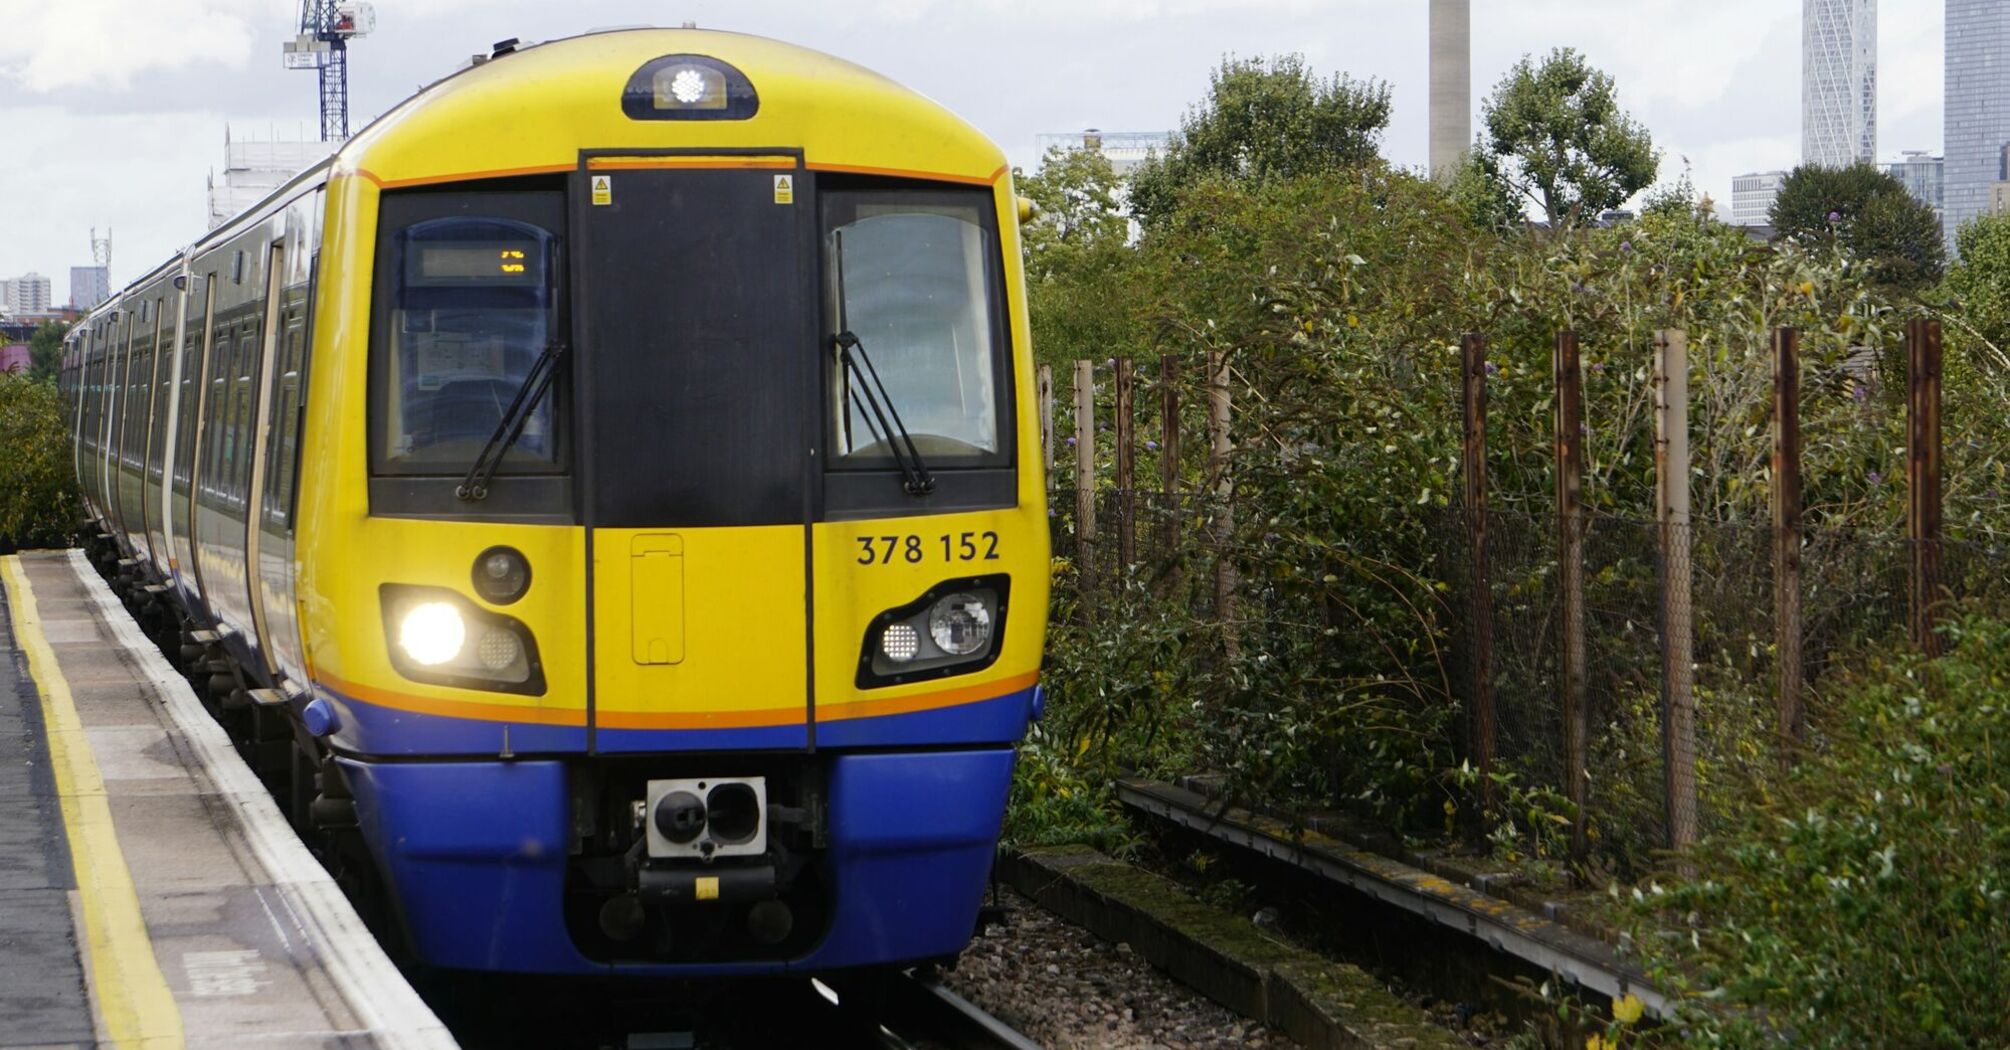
x: 35, y: 475
x: 1555, y: 135
x: 1980, y: 282
x: 45, y: 350
x: 1078, y: 259
x: 1870, y: 213
x: 1264, y: 120
x: 1077, y: 195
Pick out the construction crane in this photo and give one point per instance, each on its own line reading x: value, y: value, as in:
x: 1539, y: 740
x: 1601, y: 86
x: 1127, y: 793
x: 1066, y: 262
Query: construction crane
x: 326, y: 27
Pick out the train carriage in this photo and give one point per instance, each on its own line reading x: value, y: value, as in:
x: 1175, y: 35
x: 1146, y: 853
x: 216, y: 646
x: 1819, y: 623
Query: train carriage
x: 605, y: 499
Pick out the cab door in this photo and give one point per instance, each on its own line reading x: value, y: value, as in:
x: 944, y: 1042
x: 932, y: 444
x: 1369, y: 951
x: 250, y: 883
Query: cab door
x: 694, y: 357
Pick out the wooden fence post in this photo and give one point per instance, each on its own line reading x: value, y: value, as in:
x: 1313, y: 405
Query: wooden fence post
x: 1473, y: 370
x: 1922, y: 478
x: 1127, y: 460
x: 1671, y: 461
x: 1223, y: 530
x: 1085, y: 478
x: 1787, y: 532
x: 1169, y: 513
x: 1569, y: 453
x: 1044, y: 377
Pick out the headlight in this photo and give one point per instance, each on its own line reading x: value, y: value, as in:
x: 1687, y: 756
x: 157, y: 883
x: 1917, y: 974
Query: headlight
x: 501, y: 575
x: 960, y: 624
x: 439, y: 635
x: 432, y: 633
x: 955, y: 628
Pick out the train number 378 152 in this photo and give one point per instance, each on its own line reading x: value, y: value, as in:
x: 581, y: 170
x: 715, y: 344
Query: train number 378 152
x: 915, y: 549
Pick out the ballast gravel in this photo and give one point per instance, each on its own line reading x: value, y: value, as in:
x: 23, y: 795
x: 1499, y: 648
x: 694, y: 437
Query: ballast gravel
x: 1067, y: 989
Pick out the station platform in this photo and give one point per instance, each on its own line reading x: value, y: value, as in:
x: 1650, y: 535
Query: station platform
x: 151, y: 893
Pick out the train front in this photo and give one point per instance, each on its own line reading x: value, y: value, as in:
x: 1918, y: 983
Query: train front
x: 674, y: 567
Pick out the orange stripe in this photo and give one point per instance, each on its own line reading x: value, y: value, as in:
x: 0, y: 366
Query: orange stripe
x: 462, y: 176
x: 903, y: 173
x: 710, y: 162
x: 749, y: 719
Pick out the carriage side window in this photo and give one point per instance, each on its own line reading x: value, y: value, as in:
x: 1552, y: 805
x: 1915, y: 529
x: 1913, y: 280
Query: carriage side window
x: 920, y: 278
x: 467, y: 303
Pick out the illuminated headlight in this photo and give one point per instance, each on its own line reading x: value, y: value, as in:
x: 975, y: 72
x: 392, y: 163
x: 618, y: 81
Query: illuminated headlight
x: 438, y: 635
x: 900, y: 642
x: 432, y: 633
x: 960, y: 624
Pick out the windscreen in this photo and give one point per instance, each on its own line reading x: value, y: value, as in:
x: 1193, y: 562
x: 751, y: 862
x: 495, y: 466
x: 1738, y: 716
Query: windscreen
x: 918, y: 273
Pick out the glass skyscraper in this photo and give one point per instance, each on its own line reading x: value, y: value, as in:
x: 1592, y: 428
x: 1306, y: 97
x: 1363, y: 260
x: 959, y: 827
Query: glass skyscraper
x: 1839, y: 81
x: 1976, y: 120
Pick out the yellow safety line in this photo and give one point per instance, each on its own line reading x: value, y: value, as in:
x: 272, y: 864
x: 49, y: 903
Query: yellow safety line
x: 126, y: 982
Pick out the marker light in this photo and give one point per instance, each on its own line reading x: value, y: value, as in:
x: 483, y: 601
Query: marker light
x: 432, y: 633
x: 690, y: 86
x: 960, y: 624
x: 501, y: 575
x: 498, y: 649
x: 900, y: 642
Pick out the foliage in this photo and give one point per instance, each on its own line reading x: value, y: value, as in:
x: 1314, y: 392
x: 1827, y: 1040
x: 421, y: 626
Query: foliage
x: 1868, y: 210
x: 1556, y: 136
x: 36, y: 479
x: 1264, y: 120
x: 1077, y: 258
x: 1864, y: 901
x: 45, y: 350
x: 1980, y: 281
x: 1485, y: 199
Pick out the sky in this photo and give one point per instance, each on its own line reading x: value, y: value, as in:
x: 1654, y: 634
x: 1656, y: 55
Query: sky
x: 113, y: 112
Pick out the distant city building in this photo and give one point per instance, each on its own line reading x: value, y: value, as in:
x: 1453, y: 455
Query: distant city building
x: 1451, y: 84
x: 1924, y: 175
x: 15, y: 357
x: 252, y: 170
x: 1976, y: 109
x: 1752, y: 196
x: 26, y: 294
x: 1125, y: 150
x: 1839, y: 82
x: 89, y: 286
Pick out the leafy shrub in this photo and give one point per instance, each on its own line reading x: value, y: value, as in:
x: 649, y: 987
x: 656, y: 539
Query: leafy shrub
x: 36, y: 476
x: 1864, y: 900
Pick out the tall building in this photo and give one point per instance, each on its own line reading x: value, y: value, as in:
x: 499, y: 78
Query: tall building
x: 1451, y: 84
x: 1924, y: 176
x: 1124, y: 149
x: 1752, y: 196
x: 1976, y: 115
x: 252, y: 170
x: 89, y: 286
x: 26, y: 294
x: 1839, y: 82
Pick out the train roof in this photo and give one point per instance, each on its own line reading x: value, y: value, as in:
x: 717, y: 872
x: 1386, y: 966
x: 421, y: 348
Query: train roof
x: 533, y: 110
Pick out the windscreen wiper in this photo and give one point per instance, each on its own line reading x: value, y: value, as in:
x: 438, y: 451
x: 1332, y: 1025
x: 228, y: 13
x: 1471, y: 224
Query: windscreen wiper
x: 880, y: 416
x: 535, y: 382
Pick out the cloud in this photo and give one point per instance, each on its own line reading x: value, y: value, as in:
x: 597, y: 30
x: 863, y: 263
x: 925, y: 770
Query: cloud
x: 107, y: 44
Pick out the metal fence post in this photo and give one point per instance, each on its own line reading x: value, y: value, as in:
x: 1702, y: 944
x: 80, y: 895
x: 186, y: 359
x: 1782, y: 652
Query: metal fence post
x: 1169, y: 514
x: 1671, y: 462
x: 1922, y: 474
x: 1480, y: 629
x: 1127, y: 459
x: 1787, y: 532
x: 1085, y: 478
x: 1569, y: 453
x: 1223, y: 529
x: 1044, y: 377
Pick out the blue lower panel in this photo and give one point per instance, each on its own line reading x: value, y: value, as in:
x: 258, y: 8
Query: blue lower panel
x: 475, y: 853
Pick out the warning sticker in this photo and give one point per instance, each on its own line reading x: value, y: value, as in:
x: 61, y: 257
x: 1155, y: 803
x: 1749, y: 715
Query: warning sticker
x: 706, y: 888
x: 603, y: 189
x: 785, y: 189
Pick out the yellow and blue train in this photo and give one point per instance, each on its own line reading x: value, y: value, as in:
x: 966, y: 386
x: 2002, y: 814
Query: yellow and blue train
x: 605, y: 500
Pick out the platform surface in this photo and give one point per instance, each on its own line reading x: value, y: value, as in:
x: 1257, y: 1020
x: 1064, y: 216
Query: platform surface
x: 151, y: 894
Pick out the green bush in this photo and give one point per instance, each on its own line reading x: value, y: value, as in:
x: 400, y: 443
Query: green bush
x: 1864, y: 901
x: 36, y: 479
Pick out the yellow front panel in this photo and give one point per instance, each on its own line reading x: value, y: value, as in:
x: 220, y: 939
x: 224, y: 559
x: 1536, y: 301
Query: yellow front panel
x: 742, y: 653
x: 656, y: 604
